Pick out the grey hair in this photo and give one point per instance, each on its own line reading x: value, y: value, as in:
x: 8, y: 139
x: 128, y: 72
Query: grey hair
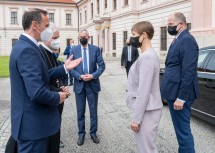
x: 180, y: 17
x: 84, y: 30
x: 53, y: 27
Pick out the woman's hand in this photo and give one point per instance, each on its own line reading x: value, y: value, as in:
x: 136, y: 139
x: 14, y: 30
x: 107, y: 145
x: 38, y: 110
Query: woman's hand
x: 135, y: 127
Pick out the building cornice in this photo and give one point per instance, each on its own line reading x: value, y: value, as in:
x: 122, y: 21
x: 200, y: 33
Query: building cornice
x: 41, y: 3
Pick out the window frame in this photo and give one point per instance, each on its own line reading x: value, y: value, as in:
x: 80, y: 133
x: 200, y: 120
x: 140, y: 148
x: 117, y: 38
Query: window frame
x: 68, y: 19
x: 114, y: 41
x: 13, y: 17
x: 50, y: 17
x: 163, y: 38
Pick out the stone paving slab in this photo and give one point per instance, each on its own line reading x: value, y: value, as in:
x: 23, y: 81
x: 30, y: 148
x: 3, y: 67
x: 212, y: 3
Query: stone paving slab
x: 114, y: 118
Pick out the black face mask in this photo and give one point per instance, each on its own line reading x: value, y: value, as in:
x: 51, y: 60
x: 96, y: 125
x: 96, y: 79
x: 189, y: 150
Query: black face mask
x: 83, y: 41
x: 134, y: 41
x: 172, y: 30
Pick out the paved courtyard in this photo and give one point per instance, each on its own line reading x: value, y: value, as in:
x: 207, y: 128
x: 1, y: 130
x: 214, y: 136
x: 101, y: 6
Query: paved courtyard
x: 114, y: 118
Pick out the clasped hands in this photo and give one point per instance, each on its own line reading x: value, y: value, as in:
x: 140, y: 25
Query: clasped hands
x: 87, y: 77
x: 64, y: 93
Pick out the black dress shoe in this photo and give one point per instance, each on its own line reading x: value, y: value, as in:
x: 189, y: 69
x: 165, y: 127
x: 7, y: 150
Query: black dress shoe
x: 80, y: 141
x: 95, y: 138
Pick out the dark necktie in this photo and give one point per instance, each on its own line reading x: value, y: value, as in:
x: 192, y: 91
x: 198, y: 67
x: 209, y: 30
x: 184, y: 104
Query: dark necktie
x: 85, y: 62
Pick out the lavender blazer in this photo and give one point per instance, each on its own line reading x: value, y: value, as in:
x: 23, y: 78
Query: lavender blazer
x: 143, y: 87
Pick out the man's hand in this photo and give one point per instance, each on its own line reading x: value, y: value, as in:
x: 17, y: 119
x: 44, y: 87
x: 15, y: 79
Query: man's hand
x: 70, y: 64
x: 178, y: 105
x: 88, y: 77
x: 83, y: 77
x: 65, y: 90
x: 135, y: 127
x: 62, y: 97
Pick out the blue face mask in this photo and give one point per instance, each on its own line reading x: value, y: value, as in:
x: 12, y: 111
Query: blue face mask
x: 56, y: 55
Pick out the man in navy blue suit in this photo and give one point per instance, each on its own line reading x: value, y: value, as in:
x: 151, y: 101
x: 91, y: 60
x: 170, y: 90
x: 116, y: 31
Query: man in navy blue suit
x: 86, y: 84
x: 67, y: 52
x: 180, y: 82
x: 34, y: 108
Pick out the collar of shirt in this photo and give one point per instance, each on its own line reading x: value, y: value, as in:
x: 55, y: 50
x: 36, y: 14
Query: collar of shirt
x: 46, y: 47
x: 82, y: 48
x: 31, y: 38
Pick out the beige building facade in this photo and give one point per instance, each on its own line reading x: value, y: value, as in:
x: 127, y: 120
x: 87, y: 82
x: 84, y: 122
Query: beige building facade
x: 109, y: 21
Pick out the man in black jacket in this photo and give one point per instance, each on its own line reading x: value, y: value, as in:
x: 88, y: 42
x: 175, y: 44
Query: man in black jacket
x: 129, y: 56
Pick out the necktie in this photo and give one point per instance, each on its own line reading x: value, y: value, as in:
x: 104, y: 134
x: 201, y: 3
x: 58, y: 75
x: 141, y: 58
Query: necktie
x: 85, y: 62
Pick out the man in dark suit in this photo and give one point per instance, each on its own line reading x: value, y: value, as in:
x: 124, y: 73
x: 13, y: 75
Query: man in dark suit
x: 67, y: 52
x: 180, y: 82
x: 129, y: 56
x: 48, y: 48
x: 34, y: 108
x: 86, y: 84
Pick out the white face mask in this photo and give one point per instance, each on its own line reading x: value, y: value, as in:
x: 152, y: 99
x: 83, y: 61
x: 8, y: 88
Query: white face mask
x: 46, y: 34
x: 55, y: 44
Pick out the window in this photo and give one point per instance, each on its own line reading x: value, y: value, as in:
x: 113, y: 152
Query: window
x: 68, y: 19
x: 114, y: 4
x: 92, y: 10
x: 91, y: 39
x: 114, y: 41
x: 105, y: 4
x: 14, y: 42
x: 188, y: 26
x: 98, y: 9
x: 80, y: 18
x: 125, y: 36
x: 211, y: 64
x: 126, y: 2
x: 51, y: 17
x: 163, y: 39
x: 13, y: 17
x: 202, y: 56
x: 144, y: 1
x: 85, y: 14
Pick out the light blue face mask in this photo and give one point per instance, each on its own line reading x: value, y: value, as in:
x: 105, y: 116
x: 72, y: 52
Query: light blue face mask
x: 55, y: 44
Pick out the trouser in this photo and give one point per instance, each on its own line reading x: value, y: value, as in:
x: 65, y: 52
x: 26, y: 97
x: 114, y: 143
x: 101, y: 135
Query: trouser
x: 88, y: 94
x: 181, y: 123
x: 146, y: 137
x: 128, y: 66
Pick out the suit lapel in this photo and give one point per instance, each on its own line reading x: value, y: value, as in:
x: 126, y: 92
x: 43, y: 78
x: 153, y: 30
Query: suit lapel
x: 90, y: 56
x: 22, y: 37
x: 79, y: 54
x: 172, y: 46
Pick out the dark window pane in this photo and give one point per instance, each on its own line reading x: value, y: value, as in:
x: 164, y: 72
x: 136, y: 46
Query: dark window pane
x: 92, y: 10
x: 68, y: 19
x: 105, y: 3
x: 98, y: 9
x: 13, y: 17
x: 126, y: 2
x: 14, y: 41
x: 163, y: 39
x: 91, y: 40
x: 188, y: 26
x: 125, y: 36
x: 114, y: 4
x: 51, y: 17
x: 114, y: 41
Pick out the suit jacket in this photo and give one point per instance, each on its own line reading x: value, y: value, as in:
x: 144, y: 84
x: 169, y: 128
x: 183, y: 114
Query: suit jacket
x: 96, y: 68
x: 67, y: 51
x: 34, y: 111
x: 124, y: 57
x: 143, y: 89
x: 180, y: 78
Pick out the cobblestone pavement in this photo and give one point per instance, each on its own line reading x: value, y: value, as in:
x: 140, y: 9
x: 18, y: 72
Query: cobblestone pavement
x: 114, y: 118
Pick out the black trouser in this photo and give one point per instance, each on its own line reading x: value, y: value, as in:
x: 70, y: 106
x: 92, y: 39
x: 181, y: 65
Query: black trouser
x: 54, y: 140
x: 128, y: 66
x: 11, y: 146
